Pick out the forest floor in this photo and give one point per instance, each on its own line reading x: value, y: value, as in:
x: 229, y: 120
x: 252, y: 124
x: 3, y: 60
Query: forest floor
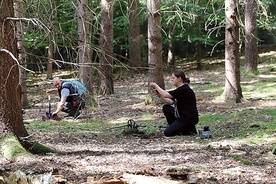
x: 104, y: 152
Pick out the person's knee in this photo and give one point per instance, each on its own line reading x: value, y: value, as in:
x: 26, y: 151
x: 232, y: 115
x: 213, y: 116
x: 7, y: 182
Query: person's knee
x: 168, y: 133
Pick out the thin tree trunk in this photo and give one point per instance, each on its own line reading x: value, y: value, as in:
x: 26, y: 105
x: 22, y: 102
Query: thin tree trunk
x: 21, y: 54
x: 134, y: 34
x: 251, y: 48
x: 84, y: 53
x: 198, y: 43
x: 171, y: 58
x: 51, y: 43
x: 155, y: 73
x: 50, y: 56
x: 106, y: 45
x: 232, y: 62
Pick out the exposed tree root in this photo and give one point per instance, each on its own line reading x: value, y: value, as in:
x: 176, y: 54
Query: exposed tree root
x: 31, y: 145
x: 11, y: 147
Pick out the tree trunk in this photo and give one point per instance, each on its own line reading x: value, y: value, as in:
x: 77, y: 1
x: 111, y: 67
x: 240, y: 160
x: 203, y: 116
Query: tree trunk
x: 51, y: 43
x: 198, y: 42
x: 11, y: 121
x: 134, y: 34
x: 10, y: 92
x: 21, y: 54
x: 106, y: 45
x: 232, y: 62
x: 155, y: 73
x: 50, y: 56
x: 251, y: 48
x: 84, y: 52
x: 171, y: 58
x: 12, y: 128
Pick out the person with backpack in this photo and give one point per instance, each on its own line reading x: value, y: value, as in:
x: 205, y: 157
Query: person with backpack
x: 72, y: 97
x: 183, y: 117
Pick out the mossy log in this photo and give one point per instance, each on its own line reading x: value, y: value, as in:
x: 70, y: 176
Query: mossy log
x: 11, y: 147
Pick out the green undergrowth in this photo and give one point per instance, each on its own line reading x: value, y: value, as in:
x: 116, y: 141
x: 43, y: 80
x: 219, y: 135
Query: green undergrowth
x: 68, y: 126
x: 254, y: 125
x: 146, y: 123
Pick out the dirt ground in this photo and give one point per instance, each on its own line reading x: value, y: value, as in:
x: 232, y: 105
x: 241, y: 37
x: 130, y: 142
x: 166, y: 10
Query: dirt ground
x: 109, y: 153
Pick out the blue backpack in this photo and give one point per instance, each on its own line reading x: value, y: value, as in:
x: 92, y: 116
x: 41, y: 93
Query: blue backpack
x: 78, y: 86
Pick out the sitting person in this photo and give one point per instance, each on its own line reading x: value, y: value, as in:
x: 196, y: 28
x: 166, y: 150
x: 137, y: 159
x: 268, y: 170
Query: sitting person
x: 71, y: 98
x: 183, y: 117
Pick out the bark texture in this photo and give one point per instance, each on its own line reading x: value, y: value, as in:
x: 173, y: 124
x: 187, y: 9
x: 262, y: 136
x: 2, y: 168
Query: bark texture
x: 21, y: 53
x: 232, y: 61
x: 51, y: 42
x: 134, y: 34
x: 106, y: 45
x: 12, y: 129
x: 251, y: 48
x: 84, y: 52
x: 155, y: 73
x: 10, y: 91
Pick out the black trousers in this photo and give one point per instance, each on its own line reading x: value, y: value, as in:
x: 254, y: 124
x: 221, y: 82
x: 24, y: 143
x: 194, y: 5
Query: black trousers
x: 73, y: 107
x: 177, y: 126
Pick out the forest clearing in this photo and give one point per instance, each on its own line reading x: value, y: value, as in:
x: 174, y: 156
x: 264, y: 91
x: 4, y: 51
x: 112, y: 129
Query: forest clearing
x: 94, y: 149
x: 117, y: 49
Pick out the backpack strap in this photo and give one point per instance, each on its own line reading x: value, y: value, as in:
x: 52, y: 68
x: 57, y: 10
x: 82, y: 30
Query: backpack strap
x: 68, y: 85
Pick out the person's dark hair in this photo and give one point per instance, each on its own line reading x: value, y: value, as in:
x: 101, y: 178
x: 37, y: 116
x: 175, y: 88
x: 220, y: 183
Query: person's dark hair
x: 180, y: 73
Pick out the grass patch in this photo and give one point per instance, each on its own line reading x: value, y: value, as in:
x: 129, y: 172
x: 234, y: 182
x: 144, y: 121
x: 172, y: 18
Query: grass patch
x: 241, y: 159
x: 68, y: 126
x: 263, y: 89
x: 146, y: 123
x: 254, y: 124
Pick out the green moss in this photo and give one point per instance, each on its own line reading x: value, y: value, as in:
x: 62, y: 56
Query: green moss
x: 11, y: 147
x: 41, y: 149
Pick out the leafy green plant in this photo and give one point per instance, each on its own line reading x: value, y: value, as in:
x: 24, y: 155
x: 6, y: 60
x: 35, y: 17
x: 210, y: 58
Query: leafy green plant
x: 148, y: 100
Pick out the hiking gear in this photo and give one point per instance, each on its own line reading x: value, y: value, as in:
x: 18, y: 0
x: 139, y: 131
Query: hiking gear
x: 76, y: 100
x: 79, y: 88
